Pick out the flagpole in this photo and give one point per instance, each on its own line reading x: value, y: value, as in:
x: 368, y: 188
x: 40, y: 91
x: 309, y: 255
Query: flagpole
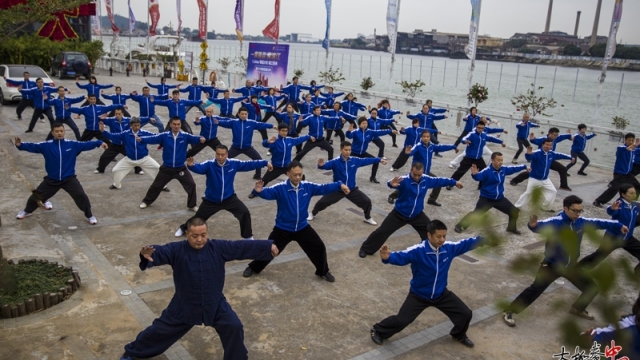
x: 99, y: 6
x: 130, y: 32
x: 326, y: 59
x: 148, y: 27
x: 609, y: 52
x: 475, y: 46
x: 242, y: 21
x: 393, y: 50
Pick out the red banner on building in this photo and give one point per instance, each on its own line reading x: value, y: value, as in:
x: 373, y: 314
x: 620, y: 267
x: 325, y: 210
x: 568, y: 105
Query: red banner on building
x: 273, y: 29
x: 202, y: 19
x: 154, y: 14
x: 109, y: 4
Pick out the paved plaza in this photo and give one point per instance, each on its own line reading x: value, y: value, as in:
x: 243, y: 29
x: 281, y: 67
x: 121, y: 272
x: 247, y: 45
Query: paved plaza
x: 287, y: 311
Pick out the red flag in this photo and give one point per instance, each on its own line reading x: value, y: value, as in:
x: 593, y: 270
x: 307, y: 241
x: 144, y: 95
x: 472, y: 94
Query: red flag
x: 202, y: 19
x: 154, y: 13
x: 273, y: 29
x: 110, y: 14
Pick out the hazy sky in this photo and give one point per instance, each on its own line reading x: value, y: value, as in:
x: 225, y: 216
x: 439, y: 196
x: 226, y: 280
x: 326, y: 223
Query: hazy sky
x: 500, y: 18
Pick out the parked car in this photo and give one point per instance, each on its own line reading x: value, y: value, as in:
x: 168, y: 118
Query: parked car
x: 10, y: 92
x: 71, y: 64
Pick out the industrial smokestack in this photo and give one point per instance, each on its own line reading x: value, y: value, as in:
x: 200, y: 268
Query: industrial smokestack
x: 575, y: 32
x: 594, y: 33
x: 546, y: 28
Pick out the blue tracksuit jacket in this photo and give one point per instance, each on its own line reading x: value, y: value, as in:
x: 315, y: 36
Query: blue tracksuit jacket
x: 293, y: 203
x: 361, y: 139
x: 352, y: 107
x: 580, y: 142
x: 540, y: 140
x: 478, y: 141
x: 524, y: 129
x: 92, y: 114
x: 178, y: 108
x: 316, y: 124
x: 39, y: 102
x: 226, y: 105
x: 345, y: 170
x: 117, y: 99
x: 94, y: 89
x: 134, y: 150
x: 147, y: 107
x: 163, y: 89
x: 61, y: 106
x: 410, y: 202
x: 281, y: 149
x: 413, y: 134
x: 541, y: 163
x: 220, y: 178
x: 26, y: 85
x: 627, y: 215
x: 174, y: 148
x: 426, y: 120
x: 492, y: 180
x: 335, y: 125
x: 424, y: 153
x: 243, y: 131
x: 60, y: 155
x: 284, y: 117
x: 430, y: 268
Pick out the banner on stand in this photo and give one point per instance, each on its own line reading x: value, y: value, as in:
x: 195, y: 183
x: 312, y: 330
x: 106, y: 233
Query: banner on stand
x: 268, y: 62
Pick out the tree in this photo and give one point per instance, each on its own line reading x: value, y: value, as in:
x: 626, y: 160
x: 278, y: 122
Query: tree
x: 331, y: 76
x: 17, y: 17
x: 598, y: 50
x: 532, y: 103
x: 572, y: 50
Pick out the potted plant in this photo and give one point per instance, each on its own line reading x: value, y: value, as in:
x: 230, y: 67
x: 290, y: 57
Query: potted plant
x: 533, y: 104
x: 411, y: 89
x: 478, y: 94
x: 366, y: 84
x: 298, y: 73
x: 241, y: 62
x: 224, y: 63
x: 619, y: 123
x: 331, y: 76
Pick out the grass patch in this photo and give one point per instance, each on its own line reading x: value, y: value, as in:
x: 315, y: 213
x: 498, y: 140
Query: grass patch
x: 35, y: 278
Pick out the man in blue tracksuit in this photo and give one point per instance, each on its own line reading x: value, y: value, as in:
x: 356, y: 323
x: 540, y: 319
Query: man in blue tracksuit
x: 280, y: 148
x: 471, y: 120
x: 553, y: 134
x: 560, y: 257
x: 362, y: 136
x: 475, y: 140
x: 344, y: 169
x: 331, y: 126
x: 331, y: 97
x: 622, y: 170
x: 27, y: 99
x: 624, y: 210
x: 492, y: 192
x: 61, y: 106
x: 316, y: 123
x: 578, y: 147
x: 427, y: 119
x: 292, y: 91
x: 93, y: 88
x: 208, y: 130
x: 293, y: 197
x: 291, y: 119
x: 60, y: 164
x: 92, y: 114
x: 254, y: 110
x: 40, y: 95
x: 219, y: 193
x: 162, y: 88
x: 148, y: 108
x: 195, y: 95
x: 242, y: 139
x: 118, y: 99
x: 430, y: 263
x: 174, y: 154
x: 412, y: 138
x: 409, y: 207
x: 226, y: 104
x: 117, y: 124
x: 306, y: 106
x: 248, y: 90
x: 178, y: 108
x: 524, y: 129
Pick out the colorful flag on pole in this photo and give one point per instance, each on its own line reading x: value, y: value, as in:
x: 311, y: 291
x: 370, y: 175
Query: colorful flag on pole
x: 109, y: 4
x: 132, y: 19
x: 470, y: 50
x: 202, y: 19
x: 392, y: 24
x: 615, y: 24
x: 272, y: 30
x: 154, y: 14
x: 238, y: 15
x: 95, y: 20
x: 178, y: 4
x: 325, y: 42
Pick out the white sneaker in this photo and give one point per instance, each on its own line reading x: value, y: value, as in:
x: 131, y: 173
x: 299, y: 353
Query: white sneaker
x: 47, y: 205
x: 451, y: 166
x: 41, y: 120
x: 194, y: 209
x: 18, y: 119
x: 96, y: 171
x: 92, y: 220
x: 249, y: 238
x: 384, y: 158
x: 141, y: 172
x: 310, y: 217
x: 269, y: 153
x: 143, y: 205
x: 370, y: 221
x: 393, y: 169
x: 21, y: 215
x: 179, y: 232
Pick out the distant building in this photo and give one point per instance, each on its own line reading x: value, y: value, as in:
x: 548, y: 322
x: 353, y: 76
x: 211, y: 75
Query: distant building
x: 299, y: 37
x: 436, y: 43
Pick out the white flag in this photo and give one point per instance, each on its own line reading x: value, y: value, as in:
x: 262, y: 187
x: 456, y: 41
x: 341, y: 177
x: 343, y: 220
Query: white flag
x: 470, y: 49
x: 132, y: 19
x: 392, y: 24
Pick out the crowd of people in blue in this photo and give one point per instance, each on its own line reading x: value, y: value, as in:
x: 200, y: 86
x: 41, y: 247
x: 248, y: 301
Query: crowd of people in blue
x: 198, y: 262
